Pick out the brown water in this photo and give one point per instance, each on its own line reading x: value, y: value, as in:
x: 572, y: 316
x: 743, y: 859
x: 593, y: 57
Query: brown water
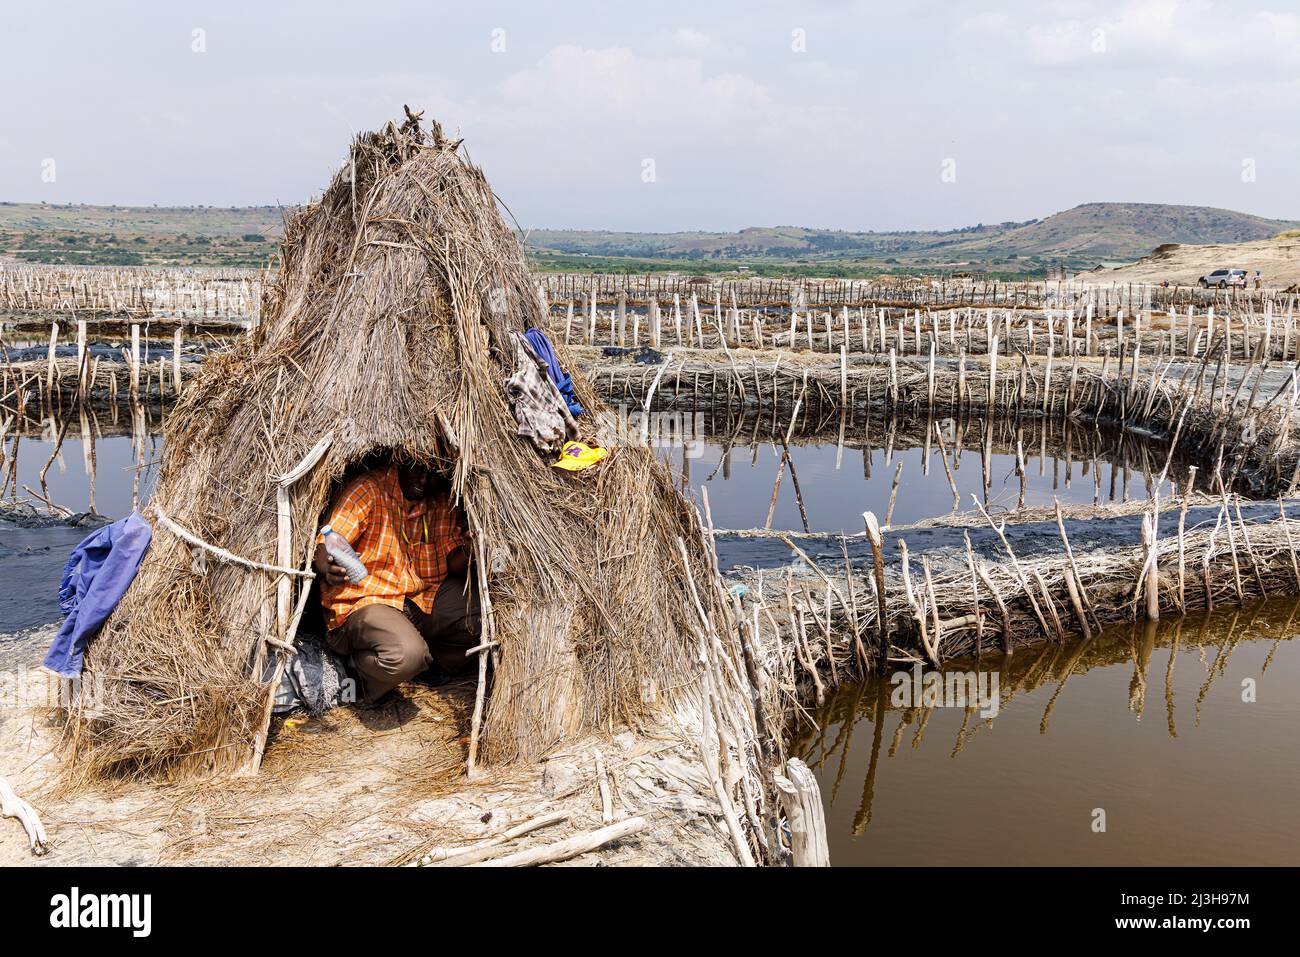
x: 1148, y: 723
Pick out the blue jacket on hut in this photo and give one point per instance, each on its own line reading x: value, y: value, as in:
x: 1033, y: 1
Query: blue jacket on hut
x: 542, y: 346
x: 95, y: 578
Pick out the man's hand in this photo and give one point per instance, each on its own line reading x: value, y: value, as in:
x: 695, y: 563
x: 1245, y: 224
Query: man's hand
x: 327, y: 568
x: 457, y: 561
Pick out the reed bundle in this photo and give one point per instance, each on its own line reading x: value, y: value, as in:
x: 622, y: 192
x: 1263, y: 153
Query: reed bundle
x: 1245, y: 423
x: 951, y: 604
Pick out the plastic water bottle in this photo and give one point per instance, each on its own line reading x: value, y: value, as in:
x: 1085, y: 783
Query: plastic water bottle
x: 338, y: 548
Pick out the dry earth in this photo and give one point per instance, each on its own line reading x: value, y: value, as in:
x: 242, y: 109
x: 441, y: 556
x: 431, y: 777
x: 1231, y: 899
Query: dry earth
x: 361, y: 787
x: 1278, y: 260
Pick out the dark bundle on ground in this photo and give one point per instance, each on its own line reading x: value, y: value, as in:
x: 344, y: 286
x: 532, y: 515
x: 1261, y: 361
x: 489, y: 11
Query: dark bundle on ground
x: 389, y: 328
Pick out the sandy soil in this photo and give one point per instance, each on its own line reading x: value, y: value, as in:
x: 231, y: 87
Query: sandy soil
x: 1278, y: 260
x: 359, y: 787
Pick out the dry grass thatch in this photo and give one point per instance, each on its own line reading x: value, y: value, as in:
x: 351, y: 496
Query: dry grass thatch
x: 388, y: 327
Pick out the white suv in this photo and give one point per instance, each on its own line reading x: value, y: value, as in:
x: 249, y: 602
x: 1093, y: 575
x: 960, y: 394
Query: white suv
x: 1223, y: 278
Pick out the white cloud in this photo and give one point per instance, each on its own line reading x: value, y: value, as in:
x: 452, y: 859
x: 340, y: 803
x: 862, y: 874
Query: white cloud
x: 623, y: 88
x: 1058, y: 43
x: 986, y: 22
x: 742, y: 131
x: 1223, y: 101
x: 692, y: 39
x: 1183, y: 32
x: 819, y: 71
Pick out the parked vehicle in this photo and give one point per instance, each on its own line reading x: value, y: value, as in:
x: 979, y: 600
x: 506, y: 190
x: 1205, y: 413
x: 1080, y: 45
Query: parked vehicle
x: 1223, y: 278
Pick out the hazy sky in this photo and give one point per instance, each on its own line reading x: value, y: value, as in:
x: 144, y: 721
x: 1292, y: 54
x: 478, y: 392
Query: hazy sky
x: 668, y: 115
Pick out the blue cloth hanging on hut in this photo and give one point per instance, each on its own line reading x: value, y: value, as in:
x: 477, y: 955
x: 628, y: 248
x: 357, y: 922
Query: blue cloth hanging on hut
x: 95, y: 578
x: 542, y: 346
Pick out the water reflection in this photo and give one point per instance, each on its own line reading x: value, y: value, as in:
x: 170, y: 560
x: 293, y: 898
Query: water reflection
x: 101, y: 461
x: 904, y: 470
x: 907, y: 470
x: 1183, y: 731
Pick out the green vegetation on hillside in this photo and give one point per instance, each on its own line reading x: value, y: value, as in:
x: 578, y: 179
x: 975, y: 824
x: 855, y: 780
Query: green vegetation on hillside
x: 134, y: 236
x: 1078, y: 238
x: 765, y: 268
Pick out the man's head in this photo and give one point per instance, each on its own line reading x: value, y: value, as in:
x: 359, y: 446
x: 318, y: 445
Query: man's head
x: 414, y: 480
x: 421, y: 481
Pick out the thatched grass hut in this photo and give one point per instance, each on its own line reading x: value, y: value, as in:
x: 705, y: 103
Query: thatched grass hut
x: 389, y: 328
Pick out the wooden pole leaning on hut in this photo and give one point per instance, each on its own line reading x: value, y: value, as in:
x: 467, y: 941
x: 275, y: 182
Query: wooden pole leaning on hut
x: 713, y: 731
x: 484, y: 650
x: 286, y: 622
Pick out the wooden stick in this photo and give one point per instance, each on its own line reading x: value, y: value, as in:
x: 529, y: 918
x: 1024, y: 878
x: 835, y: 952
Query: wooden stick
x: 893, y: 494
x: 853, y: 608
x: 1182, y: 525
x: 826, y: 580
x: 1206, y: 557
x: 1069, y: 555
x: 220, y: 553
x: 1051, y: 606
x: 918, y: 610
x: 488, y: 634
x: 982, y: 571
x: 1232, y: 544
x: 802, y: 802
x: 51, y: 368
x: 1015, y: 564
x: 1250, y: 550
x: 711, y: 733
x: 135, y: 360
x: 176, y: 361
x: 1071, y: 586
x: 1151, y: 568
x: 602, y: 782
x: 569, y: 847
x: 11, y: 805
x: 975, y: 594
x: 794, y: 482
x: 785, y: 458
x: 1290, y: 545
x: 878, y: 562
x: 943, y: 457
x: 460, y: 856
x: 935, y: 623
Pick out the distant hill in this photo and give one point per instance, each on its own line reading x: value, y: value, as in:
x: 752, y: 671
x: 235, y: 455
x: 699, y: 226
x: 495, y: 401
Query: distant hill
x: 153, y: 220
x: 1125, y: 231
x: 140, y: 235
x: 1078, y: 238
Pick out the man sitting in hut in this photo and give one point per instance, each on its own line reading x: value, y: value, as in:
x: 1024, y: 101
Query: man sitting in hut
x: 413, y: 614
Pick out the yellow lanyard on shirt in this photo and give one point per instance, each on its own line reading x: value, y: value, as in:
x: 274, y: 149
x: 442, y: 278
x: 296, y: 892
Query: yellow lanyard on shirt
x: 425, y: 519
